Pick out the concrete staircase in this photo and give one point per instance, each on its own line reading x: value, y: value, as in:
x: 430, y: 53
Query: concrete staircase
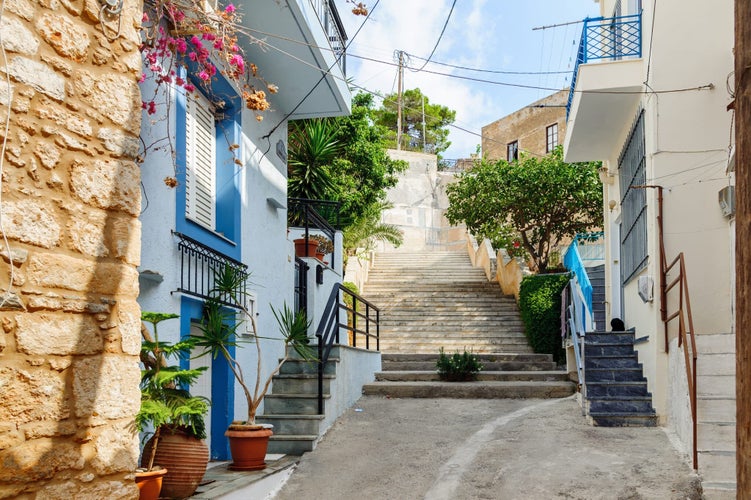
x: 716, y: 414
x: 437, y: 299
x: 615, y: 387
x: 292, y: 406
x: 503, y: 376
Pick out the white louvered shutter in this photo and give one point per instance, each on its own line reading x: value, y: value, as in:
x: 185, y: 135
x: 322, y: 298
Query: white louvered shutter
x: 200, y: 174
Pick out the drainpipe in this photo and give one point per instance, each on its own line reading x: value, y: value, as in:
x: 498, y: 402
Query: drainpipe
x: 661, y: 242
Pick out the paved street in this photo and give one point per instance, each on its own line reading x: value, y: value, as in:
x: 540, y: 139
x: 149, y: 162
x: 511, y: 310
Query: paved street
x: 487, y: 449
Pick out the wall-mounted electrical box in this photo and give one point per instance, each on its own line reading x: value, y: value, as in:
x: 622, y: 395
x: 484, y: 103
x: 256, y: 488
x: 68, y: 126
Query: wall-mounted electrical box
x: 726, y: 199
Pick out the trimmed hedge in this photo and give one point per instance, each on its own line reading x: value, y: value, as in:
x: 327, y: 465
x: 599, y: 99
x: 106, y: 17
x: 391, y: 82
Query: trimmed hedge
x: 540, y: 307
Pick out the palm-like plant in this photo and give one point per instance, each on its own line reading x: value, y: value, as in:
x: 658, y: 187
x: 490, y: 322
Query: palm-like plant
x: 313, y: 145
x: 365, y: 231
x: 219, y: 334
x: 166, y: 403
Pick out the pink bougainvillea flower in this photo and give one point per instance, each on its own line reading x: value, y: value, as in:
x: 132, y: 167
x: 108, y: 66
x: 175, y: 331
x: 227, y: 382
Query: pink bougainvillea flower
x: 209, y: 36
x: 237, y: 60
x: 230, y: 9
x: 181, y: 46
x: 195, y: 41
x: 219, y: 44
x: 189, y: 87
x: 143, y: 78
x: 203, y: 75
x: 145, y: 17
x: 152, y: 108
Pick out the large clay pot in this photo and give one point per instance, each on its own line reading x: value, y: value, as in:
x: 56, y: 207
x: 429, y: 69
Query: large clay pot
x: 300, y: 247
x: 248, y: 445
x: 185, y: 458
x: 150, y: 484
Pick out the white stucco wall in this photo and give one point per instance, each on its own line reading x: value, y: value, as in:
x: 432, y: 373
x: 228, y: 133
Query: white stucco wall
x: 687, y: 134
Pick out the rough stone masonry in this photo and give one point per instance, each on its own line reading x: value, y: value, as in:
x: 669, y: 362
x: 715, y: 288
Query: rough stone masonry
x: 69, y: 321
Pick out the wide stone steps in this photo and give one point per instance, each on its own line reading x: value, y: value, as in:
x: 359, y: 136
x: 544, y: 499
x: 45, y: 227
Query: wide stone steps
x: 504, y: 375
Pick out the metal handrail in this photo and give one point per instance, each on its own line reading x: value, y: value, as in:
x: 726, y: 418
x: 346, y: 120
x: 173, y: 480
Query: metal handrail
x: 685, y: 318
x: 573, y: 309
x: 330, y: 326
x: 610, y: 38
x: 573, y: 262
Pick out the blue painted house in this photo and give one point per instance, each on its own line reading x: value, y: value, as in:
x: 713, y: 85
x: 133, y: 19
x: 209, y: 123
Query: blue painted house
x: 229, y: 205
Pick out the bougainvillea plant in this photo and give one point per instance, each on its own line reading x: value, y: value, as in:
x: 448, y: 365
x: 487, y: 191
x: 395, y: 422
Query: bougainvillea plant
x: 185, y: 44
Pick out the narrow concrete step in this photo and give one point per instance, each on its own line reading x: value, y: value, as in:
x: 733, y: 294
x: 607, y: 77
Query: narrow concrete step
x: 293, y: 424
x: 470, y: 390
x: 301, y: 383
x: 292, y: 445
x: 299, y: 404
x: 488, y: 357
x: 493, y: 366
x: 623, y: 419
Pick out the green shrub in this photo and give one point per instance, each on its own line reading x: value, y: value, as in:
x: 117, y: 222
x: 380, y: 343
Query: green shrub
x: 458, y: 367
x: 540, y: 307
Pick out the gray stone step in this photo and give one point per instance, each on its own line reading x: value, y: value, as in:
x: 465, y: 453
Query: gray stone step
x: 488, y: 357
x: 308, y: 367
x: 471, y: 390
x: 298, y: 404
x: 292, y: 445
x: 300, y: 383
x: 504, y: 376
x: 293, y: 424
x: 496, y: 366
x: 623, y: 419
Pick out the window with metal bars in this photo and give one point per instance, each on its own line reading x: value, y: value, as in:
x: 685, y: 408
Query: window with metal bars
x: 632, y: 175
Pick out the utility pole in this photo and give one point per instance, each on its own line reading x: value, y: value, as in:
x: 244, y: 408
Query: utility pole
x: 424, y: 137
x: 742, y: 248
x: 400, y: 90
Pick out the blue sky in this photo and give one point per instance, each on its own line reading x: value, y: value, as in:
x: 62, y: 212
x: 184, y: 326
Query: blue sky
x: 487, y: 34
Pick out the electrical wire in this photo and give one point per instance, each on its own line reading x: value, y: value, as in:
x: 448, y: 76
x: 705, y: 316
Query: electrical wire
x: 323, y: 77
x: 439, y: 37
x: 480, y: 70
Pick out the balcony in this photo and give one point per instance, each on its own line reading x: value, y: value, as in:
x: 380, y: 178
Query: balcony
x: 605, y: 88
x: 299, y: 46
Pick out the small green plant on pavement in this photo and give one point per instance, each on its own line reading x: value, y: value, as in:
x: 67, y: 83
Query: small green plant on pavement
x: 458, y: 367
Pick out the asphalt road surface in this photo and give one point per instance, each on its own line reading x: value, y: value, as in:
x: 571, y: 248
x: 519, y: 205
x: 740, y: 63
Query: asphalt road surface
x: 456, y: 449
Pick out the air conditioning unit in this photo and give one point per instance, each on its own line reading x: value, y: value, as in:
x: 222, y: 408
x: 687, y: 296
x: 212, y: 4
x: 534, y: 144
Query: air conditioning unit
x: 645, y: 286
x: 726, y: 199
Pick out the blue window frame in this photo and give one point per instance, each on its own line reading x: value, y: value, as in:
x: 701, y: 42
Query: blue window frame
x: 216, y: 222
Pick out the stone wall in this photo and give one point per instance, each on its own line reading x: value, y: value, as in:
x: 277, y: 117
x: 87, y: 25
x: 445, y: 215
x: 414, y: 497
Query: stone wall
x: 528, y: 126
x: 70, y: 337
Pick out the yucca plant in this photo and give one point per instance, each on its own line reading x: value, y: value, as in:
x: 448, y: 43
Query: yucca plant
x: 219, y: 334
x: 166, y: 402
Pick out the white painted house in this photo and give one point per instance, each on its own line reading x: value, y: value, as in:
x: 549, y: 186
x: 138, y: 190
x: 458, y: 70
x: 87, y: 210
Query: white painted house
x: 650, y: 99
x: 237, y: 213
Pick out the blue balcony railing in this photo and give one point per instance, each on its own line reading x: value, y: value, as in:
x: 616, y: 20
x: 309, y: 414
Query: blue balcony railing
x: 606, y: 38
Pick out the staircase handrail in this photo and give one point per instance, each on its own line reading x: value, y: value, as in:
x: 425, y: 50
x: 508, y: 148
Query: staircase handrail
x: 686, y: 336
x: 573, y: 262
x: 330, y: 326
x: 575, y: 320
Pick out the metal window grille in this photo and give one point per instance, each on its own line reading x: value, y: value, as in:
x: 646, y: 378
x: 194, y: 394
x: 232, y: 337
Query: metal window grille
x: 631, y: 165
x: 301, y: 285
x: 199, y: 264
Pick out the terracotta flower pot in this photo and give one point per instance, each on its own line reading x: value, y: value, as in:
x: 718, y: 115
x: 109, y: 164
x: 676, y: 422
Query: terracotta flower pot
x: 150, y: 483
x: 185, y: 458
x: 300, y: 247
x: 248, y: 445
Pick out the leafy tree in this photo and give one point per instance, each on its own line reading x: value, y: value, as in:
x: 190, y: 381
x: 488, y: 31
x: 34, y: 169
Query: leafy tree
x: 437, y: 120
x: 539, y: 200
x: 342, y: 159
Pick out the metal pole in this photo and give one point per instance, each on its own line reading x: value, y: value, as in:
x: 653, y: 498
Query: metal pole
x: 400, y: 89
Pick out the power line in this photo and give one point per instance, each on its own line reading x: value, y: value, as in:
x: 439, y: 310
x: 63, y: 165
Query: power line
x: 439, y: 36
x: 479, y: 70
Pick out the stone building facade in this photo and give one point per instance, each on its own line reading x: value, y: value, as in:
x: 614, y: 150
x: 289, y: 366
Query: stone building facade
x: 535, y: 129
x: 70, y: 334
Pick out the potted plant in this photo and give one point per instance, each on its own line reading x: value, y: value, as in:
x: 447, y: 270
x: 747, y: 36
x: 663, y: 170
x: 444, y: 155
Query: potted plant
x: 325, y: 246
x: 305, y: 247
x: 175, y: 416
x: 248, y: 440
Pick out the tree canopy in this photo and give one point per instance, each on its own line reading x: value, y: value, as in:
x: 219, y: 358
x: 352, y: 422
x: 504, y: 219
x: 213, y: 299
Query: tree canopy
x: 343, y: 159
x: 437, y: 120
x: 534, y: 202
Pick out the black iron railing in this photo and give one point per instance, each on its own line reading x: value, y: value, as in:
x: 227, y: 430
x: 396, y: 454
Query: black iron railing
x: 362, y: 320
x: 199, y: 264
x: 301, y: 285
